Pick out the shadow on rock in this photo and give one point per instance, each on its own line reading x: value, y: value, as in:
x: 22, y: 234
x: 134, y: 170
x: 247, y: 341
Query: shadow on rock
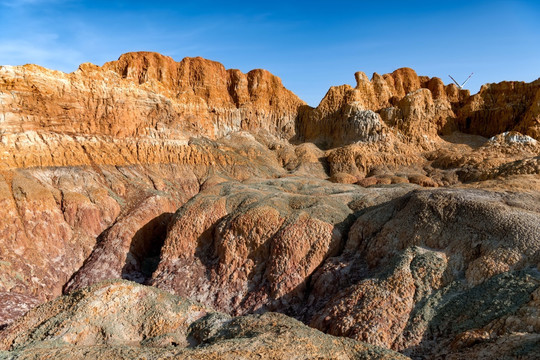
x: 145, y: 249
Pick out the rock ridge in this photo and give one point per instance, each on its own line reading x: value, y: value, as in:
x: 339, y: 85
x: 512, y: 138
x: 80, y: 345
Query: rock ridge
x: 140, y: 103
x: 226, y: 188
x: 123, y: 320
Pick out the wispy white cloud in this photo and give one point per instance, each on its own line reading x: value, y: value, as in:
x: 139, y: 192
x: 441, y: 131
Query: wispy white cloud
x: 44, y: 50
x: 33, y: 35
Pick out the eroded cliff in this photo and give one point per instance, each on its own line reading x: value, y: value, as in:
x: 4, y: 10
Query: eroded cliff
x: 213, y: 184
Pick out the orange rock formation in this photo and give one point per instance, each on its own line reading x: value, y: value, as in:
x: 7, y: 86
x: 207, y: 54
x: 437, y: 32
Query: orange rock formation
x: 212, y: 184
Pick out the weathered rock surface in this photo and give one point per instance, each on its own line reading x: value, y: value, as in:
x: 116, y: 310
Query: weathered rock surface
x: 499, y: 157
x: 417, y: 109
x: 14, y: 306
x: 123, y: 320
x: 209, y: 183
x: 396, y: 278
x: 144, y: 108
x: 141, y: 109
x: 53, y: 217
x: 415, y: 106
x: 244, y: 247
x: 506, y: 106
x: 129, y: 248
x: 425, y: 270
x: 146, y: 94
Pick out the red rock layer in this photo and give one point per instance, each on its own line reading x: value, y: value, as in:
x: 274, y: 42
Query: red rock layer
x: 414, y: 105
x: 418, y: 108
x: 502, y: 107
x: 136, y: 106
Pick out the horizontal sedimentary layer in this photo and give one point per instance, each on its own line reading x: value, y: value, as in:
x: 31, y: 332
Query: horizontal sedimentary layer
x: 212, y: 184
x: 126, y: 110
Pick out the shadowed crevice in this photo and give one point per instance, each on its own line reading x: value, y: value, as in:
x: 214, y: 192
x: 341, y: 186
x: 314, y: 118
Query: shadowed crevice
x: 145, y: 249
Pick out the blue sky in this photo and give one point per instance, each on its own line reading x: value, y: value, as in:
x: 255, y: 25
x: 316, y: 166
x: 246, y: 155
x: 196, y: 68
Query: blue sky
x: 311, y: 45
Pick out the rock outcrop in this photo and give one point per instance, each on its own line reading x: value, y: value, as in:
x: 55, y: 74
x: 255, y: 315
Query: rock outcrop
x: 122, y: 320
x: 141, y: 109
x: 54, y: 219
x: 502, y: 107
x: 247, y: 247
x: 401, y: 269
x: 212, y: 184
x: 415, y: 106
x: 429, y: 269
x: 418, y: 108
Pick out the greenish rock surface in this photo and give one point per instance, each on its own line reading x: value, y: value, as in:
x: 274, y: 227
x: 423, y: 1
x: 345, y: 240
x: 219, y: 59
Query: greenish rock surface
x: 123, y: 320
